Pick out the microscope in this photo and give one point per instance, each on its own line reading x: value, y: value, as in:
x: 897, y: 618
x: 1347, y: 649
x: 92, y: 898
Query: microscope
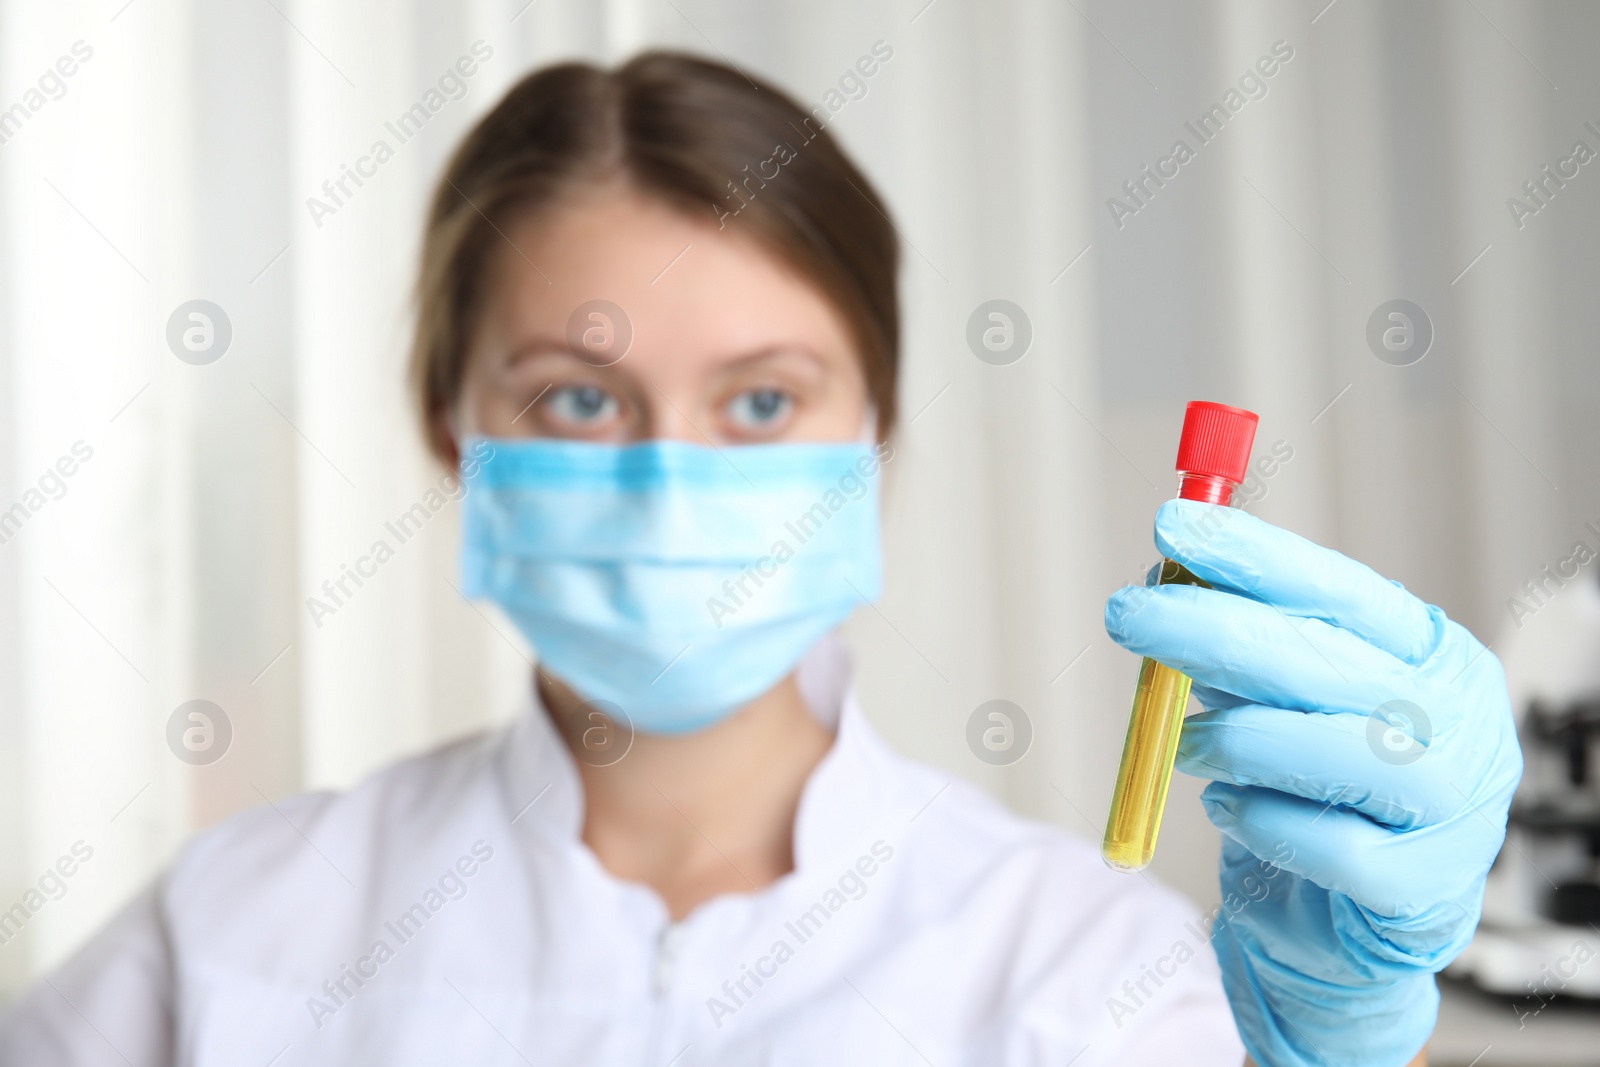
x: 1539, y: 936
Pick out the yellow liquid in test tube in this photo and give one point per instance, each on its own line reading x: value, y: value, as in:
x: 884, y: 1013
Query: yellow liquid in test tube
x: 1213, y: 457
x: 1147, y: 755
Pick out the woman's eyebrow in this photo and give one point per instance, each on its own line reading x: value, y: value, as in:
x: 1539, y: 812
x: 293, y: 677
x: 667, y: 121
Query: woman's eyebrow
x: 770, y: 353
x: 539, y: 345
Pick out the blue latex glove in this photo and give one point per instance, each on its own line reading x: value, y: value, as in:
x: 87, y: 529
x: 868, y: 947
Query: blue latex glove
x: 1358, y: 831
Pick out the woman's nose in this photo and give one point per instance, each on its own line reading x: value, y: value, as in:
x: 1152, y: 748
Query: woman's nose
x: 673, y: 415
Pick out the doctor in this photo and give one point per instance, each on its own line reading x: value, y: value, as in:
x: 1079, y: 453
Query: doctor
x: 657, y: 333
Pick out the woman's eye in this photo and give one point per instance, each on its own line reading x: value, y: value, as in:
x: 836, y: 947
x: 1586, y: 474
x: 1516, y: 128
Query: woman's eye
x: 581, y: 404
x: 759, y: 409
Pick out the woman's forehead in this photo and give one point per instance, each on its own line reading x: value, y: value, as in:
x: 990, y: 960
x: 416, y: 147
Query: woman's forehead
x: 677, y: 283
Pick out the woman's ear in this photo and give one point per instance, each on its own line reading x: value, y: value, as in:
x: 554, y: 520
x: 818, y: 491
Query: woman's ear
x: 442, y: 440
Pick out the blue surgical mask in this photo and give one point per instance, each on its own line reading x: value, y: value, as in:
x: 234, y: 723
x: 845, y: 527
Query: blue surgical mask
x: 674, y: 581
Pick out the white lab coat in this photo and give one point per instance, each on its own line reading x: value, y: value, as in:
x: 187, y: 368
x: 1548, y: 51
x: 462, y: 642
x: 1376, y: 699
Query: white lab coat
x: 446, y: 911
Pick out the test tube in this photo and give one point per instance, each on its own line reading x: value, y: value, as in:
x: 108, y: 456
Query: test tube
x: 1213, y: 456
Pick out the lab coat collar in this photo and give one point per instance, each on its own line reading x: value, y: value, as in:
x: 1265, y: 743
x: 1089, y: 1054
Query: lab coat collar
x: 545, y: 793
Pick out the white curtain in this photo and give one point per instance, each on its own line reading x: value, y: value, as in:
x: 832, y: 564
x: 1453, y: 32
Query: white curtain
x: 175, y: 163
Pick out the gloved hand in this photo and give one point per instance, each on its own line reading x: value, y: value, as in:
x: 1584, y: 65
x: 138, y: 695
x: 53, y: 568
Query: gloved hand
x: 1364, y: 757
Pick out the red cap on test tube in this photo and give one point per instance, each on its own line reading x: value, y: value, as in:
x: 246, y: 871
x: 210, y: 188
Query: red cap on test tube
x: 1214, y: 450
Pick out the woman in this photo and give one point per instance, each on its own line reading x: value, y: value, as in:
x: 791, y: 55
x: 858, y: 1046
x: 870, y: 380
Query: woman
x: 658, y: 335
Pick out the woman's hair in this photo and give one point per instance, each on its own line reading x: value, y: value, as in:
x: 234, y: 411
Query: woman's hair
x: 696, y: 134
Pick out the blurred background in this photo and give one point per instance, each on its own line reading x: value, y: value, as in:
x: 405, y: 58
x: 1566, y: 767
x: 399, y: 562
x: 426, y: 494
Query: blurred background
x: 179, y: 486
